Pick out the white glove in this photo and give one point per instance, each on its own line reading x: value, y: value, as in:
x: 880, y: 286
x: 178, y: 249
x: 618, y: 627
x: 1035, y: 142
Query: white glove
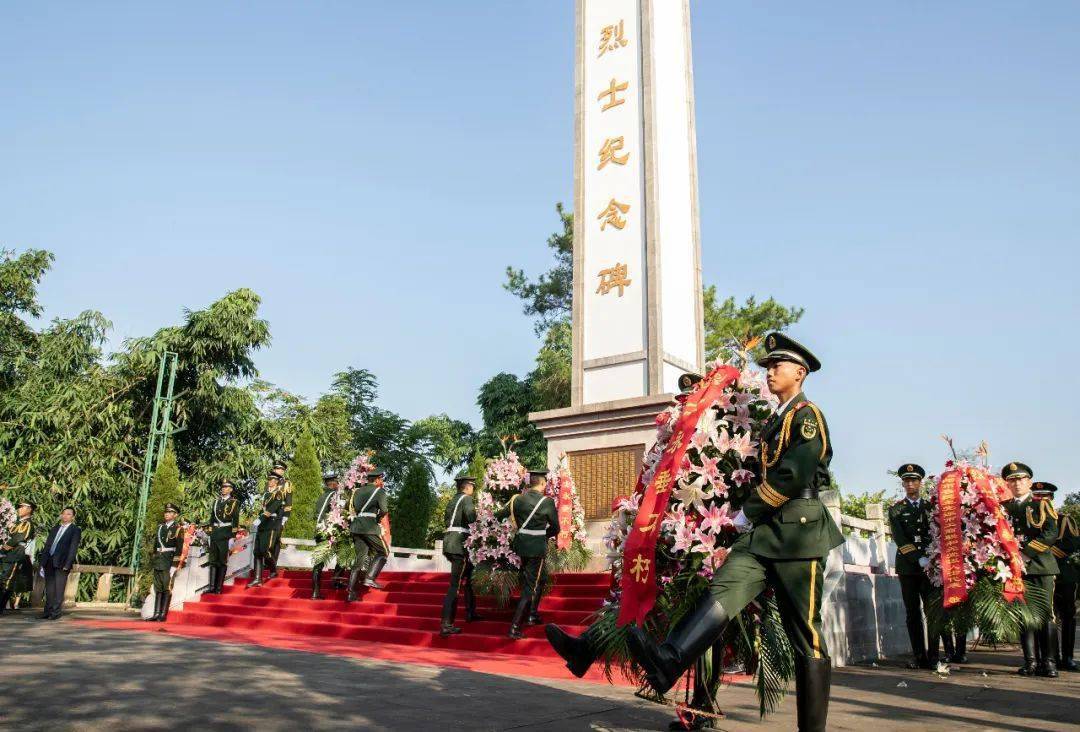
x: 172, y: 571
x: 284, y: 521
x: 231, y: 542
x: 923, y: 561
x: 255, y: 524
x: 743, y: 524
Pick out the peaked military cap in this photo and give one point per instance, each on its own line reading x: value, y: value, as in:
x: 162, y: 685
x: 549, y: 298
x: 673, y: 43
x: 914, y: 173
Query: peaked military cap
x: 688, y: 381
x: 227, y: 482
x: 372, y: 474
x: 277, y: 467
x: 172, y: 507
x: 911, y: 470
x: 29, y: 504
x: 330, y: 475
x: 465, y: 479
x: 1016, y: 470
x: 535, y: 474
x: 778, y: 347
x: 1044, y: 487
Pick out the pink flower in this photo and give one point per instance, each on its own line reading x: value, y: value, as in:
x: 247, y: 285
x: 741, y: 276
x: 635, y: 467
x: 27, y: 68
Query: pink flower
x: 716, y: 519
x: 744, y: 446
x: 741, y: 476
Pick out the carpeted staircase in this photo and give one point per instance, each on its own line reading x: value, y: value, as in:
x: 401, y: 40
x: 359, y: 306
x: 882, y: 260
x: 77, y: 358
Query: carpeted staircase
x: 405, y: 612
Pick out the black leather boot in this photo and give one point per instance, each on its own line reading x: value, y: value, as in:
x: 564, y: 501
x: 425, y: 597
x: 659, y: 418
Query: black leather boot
x: 961, y: 649
x: 355, y: 578
x: 449, y: 610
x: 813, y: 676
x: 212, y: 587
x: 576, y: 651
x: 256, y: 574
x: 471, y: 616
x: 519, y: 617
x: 1027, y: 646
x: 339, y: 579
x: 373, y: 573
x: 1068, y: 640
x: 947, y: 645
x: 220, y: 586
x: 157, y: 609
x: 1047, y: 666
x: 664, y: 664
x: 272, y: 565
x: 315, y: 575
x: 165, y: 600
x: 5, y: 598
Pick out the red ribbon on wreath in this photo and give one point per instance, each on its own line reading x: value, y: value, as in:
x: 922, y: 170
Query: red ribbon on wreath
x: 639, y: 585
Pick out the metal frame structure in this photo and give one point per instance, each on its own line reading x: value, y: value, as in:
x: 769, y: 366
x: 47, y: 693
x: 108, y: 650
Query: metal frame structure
x: 160, y: 430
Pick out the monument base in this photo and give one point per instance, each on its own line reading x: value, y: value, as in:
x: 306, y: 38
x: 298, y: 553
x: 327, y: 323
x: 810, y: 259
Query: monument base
x: 604, y: 444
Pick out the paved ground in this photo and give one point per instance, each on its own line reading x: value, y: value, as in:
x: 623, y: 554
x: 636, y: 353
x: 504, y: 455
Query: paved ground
x: 63, y: 675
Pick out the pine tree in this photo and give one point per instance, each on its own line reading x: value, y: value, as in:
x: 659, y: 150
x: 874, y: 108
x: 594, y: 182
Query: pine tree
x: 413, y: 508
x: 306, y: 478
x: 164, y: 488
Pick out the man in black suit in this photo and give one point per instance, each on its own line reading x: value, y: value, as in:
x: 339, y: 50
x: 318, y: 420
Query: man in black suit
x: 57, y: 559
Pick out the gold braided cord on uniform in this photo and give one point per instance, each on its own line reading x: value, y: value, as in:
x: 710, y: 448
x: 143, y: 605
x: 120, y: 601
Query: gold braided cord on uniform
x: 1038, y: 545
x: 770, y: 495
x: 785, y: 437
x: 1044, y: 508
x: 1067, y: 521
x: 1057, y: 552
x: 513, y: 519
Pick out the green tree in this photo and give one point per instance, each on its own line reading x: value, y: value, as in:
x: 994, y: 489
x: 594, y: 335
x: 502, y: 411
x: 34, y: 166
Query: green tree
x: 550, y: 379
x: 505, y: 402
x: 728, y: 325
x: 549, y: 298
x: 306, y: 478
x: 164, y: 488
x: 19, y: 279
x: 413, y: 507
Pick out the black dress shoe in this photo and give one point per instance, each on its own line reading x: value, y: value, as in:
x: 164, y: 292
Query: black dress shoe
x: 515, y: 633
x: 1070, y: 665
x: 448, y: 630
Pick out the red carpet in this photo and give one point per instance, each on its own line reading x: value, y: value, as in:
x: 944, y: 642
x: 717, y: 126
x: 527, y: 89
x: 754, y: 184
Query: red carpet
x: 398, y: 623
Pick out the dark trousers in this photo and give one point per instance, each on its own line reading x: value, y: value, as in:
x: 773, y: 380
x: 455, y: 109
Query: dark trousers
x: 915, y: 590
x: 365, y: 544
x: 267, y: 539
x: 461, y: 570
x: 1065, y: 609
x: 798, y: 585
x: 162, y: 581
x: 532, y: 582
x: 55, y: 586
x: 218, y: 554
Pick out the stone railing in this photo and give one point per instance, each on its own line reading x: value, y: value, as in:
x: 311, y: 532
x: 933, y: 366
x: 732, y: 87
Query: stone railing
x: 102, y: 592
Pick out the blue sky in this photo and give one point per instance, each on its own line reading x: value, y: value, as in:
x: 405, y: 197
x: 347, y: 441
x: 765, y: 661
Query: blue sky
x: 907, y: 172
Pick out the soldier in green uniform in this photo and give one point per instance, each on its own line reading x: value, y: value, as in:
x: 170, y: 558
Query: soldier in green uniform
x: 286, y: 488
x: 460, y: 514
x: 268, y: 529
x: 909, y: 521
x: 787, y: 533
x: 1034, y: 522
x: 331, y: 491
x: 368, y: 505
x: 1067, y: 553
x: 536, y: 519
x: 222, y: 526
x: 168, y: 547
x: 14, y: 553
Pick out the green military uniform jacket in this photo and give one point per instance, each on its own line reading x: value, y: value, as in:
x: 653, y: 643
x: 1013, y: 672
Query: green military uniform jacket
x: 790, y: 522
x: 287, y: 493
x: 16, y: 558
x: 1035, y: 525
x: 910, y: 525
x: 368, y: 505
x: 224, y: 518
x: 531, y: 538
x: 1066, y: 549
x: 322, y: 507
x: 460, y: 514
x: 273, y: 505
x: 168, y: 546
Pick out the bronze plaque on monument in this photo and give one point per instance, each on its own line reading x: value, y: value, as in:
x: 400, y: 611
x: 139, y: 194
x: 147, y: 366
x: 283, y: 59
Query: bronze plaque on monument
x: 603, y: 474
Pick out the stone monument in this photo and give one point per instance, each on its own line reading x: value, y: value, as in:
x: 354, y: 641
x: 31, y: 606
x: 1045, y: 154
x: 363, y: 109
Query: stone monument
x: 637, y: 310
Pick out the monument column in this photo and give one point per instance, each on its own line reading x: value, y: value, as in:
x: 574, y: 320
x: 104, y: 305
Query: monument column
x: 637, y: 309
